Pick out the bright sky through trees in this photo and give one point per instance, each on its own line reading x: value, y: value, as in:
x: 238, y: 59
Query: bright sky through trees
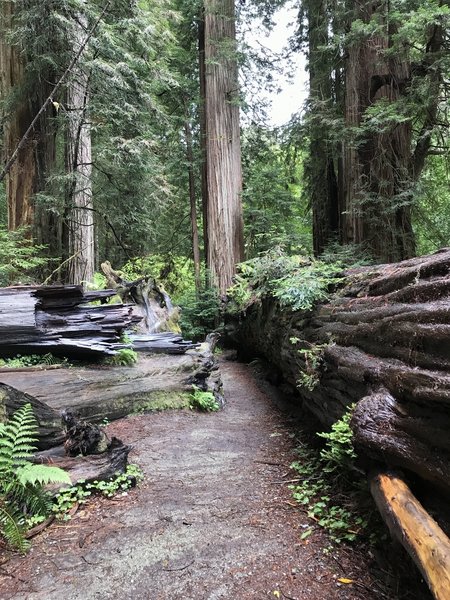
x: 292, y: 84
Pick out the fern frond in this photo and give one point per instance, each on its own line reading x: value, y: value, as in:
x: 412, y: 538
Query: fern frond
x: 12, y: 526
x: 41, y: 474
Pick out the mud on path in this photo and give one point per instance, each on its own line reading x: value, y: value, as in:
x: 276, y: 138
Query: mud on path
x: 212, y: 520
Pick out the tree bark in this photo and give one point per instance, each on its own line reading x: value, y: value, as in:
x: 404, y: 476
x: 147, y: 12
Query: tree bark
x: 81, y: 233
x: 382, y: 343
x: 223, y: 149
x: 377, y: 165
x: 193, y: 204
x: 36, y: 156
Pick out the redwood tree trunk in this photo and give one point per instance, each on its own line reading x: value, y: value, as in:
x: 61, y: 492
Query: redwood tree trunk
x: 27, y: 174
x: 223, y: 148
x: 382, y: 342
x: 79, y: 166
x: 377, y: 165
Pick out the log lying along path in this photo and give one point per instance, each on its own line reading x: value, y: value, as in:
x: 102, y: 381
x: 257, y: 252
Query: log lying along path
x: 213, y: 519
x: 381, y: 342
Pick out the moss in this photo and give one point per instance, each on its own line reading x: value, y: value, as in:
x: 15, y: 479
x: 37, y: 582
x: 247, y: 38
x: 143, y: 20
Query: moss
x: 164, y: 400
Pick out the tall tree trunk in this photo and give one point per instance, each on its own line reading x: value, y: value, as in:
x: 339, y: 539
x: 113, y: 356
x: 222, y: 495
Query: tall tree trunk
x: 223, y: 148
x: 79, y: 166
x: 377, y: 185
x: 27, y: 174
x: 320, y: 170
x: 202, y: 115
x: 193, y: 204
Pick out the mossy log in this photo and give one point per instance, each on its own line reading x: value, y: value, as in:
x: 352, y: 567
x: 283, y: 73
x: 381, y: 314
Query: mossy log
x: 382, y: 342
x: 97, y: 393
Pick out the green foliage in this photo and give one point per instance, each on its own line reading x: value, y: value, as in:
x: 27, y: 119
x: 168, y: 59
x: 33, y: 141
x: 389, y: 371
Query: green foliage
x: 125, y: 357
x: 19, y: 258
x: 297, y: 282
x: 21, y: 482
x: 204, y: 401
x: 273, y: 214
x: 339, y: 452
x: 80, y: 493
x: 32, y: 360
x: 344, y: 519
x: 200, y: 313
x: 309, y: 377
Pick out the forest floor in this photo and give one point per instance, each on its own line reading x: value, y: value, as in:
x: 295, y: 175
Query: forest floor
x: 213, y: 519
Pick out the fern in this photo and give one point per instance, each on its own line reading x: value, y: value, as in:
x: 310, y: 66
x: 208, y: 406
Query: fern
x: 21, y: 483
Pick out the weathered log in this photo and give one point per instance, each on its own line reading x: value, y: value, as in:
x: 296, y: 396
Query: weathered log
x: 95, y: 467
x: 413, y: 527
x: 59, y: 319
x: 151, y: 302
x: 386, y: 327
x: 106, y: 392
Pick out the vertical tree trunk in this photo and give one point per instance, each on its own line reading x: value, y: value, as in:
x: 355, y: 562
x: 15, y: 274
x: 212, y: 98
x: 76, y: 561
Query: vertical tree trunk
x: 79, y: 166
x: 377, y: 183
x: 202, y: 115
x: 193, y: 204
x: 320, y: 170
x: 27, y: 174
x: 223, y: 148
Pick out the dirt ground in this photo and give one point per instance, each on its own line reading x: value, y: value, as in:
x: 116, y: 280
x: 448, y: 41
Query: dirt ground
x: 213, y: 519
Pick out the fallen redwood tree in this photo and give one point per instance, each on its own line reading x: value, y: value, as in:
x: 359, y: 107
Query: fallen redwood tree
x: 382, y: 343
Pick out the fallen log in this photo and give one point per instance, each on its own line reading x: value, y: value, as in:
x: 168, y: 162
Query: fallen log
x: 380, y: 346
x: 50, y: 429
x: 385, y: 328
x: 97, y: 393
x: 413, y: 527
x: 61, y: 320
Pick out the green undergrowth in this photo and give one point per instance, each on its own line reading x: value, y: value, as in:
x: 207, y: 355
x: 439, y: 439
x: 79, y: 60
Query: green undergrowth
x: 331, y: 490
x: 297, y: 282
x: 203, y: 401
x: 32, y: 360
x: 125, y: 357
x: 164, y: 400
x: 82, y: 492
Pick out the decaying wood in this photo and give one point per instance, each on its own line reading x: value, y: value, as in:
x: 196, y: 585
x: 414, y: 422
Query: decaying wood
x: 382, y: 340
x: 410, y: 523
x: 151, y: 302
x: 96, y: 467
x: 59, y: 319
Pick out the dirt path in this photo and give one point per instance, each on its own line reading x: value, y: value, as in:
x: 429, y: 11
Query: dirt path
x: 213, y: 519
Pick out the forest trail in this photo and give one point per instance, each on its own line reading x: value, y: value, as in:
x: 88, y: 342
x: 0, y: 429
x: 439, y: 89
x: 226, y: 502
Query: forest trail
x: 212, y: 520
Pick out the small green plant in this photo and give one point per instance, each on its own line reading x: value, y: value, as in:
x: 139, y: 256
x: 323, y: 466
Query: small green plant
x: 80, y: 493
x: 22, y: 494
x: 339, y: 452
x: 309, y: 377
x: 204, y: 401
x: 125, y: 357
x: 200, y: 313
x: 343, y: 520
x: 32, y: 360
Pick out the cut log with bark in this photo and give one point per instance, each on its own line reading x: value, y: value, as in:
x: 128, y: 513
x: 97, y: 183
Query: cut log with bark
x: 413, y: 527
x: 381, y: 343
